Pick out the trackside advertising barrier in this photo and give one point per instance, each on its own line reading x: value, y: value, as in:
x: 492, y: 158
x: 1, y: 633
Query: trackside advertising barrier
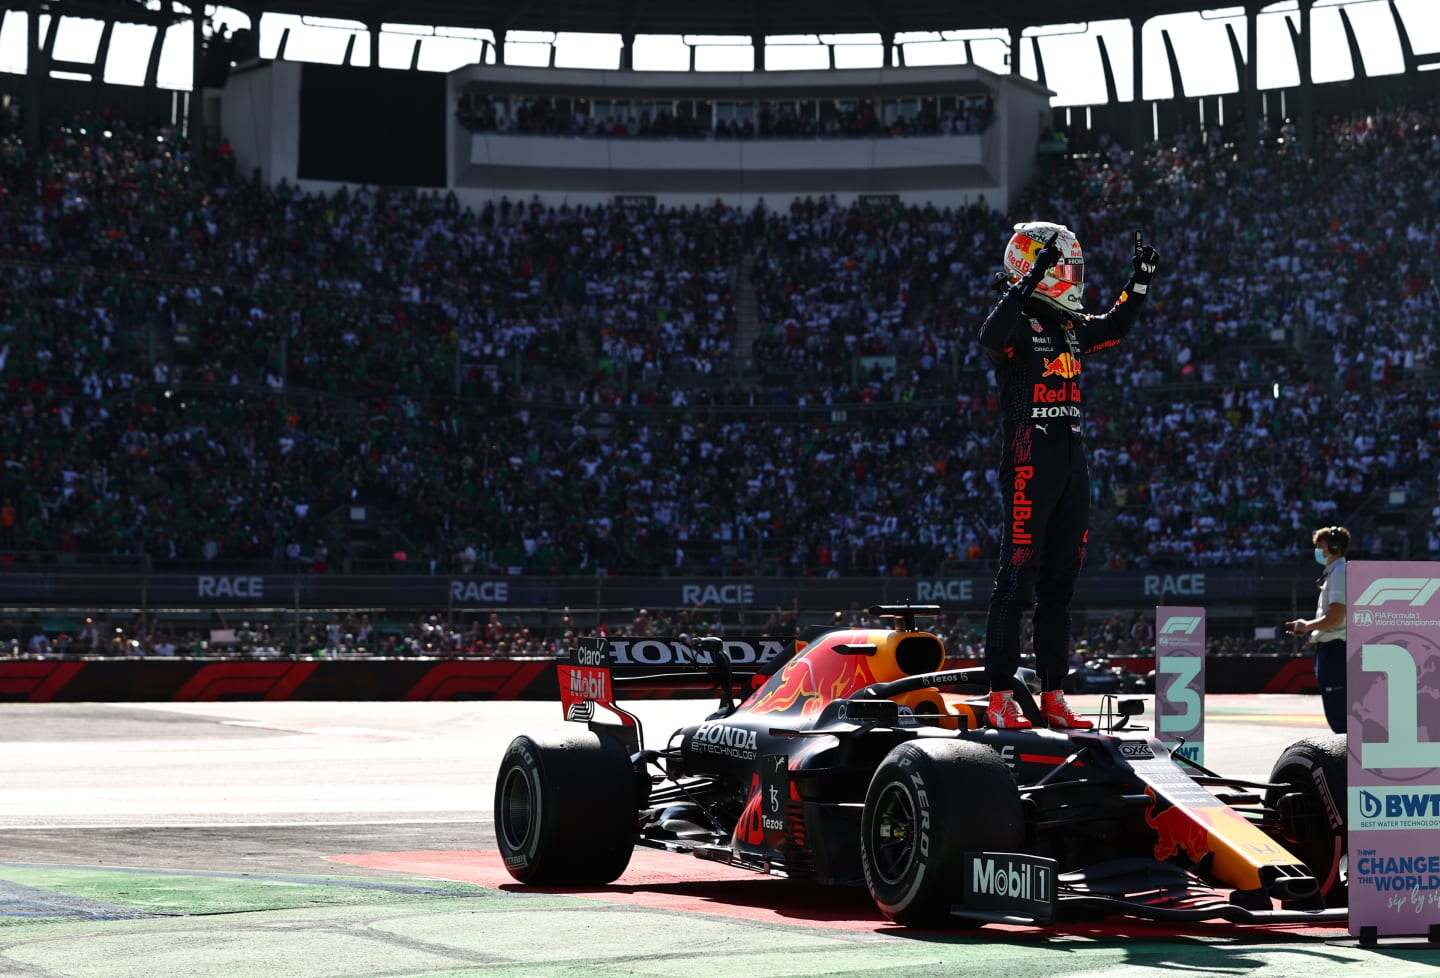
x: 1180, y: 680
x: 95, y: 589
x: 1393, y: 687
x: 171, y: 679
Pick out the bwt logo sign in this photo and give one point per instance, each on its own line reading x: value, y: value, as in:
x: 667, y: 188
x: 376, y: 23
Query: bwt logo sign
x: 1393, y: 803
x: 1416, y: 590
x: 1181, y: 625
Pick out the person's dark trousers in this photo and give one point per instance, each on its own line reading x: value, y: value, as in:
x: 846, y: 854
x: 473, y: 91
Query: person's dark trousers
x: 1330, y: 674
x: 1045, y: 479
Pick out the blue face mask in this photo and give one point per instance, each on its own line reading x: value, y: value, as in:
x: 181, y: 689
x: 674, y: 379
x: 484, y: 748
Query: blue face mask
x: 1320, y: 556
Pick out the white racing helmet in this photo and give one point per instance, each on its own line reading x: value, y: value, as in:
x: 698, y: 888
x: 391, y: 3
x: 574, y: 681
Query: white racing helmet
x: 1064, y: 285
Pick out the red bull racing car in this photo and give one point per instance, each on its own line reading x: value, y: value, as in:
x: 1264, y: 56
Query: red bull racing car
x: 856, y: 759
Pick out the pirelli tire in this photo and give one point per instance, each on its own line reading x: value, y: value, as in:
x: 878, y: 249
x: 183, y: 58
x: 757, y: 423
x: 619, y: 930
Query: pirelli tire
x: 1318, y: 769
x: 566, y: 809
x: 929, y: 802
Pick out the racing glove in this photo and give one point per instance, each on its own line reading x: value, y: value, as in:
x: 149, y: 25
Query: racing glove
x: 1146, y: 260
x: 1045, y: 259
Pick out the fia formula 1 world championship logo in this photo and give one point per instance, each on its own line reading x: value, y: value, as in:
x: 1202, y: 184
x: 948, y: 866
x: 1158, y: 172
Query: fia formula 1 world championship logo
x: 1411, y: 592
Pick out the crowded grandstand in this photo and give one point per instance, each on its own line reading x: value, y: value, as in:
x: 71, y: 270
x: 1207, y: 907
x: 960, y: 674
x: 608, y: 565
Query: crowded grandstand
x: 204, y: 370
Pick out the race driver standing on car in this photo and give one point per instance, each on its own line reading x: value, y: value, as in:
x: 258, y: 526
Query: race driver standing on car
x: 1036, y: 338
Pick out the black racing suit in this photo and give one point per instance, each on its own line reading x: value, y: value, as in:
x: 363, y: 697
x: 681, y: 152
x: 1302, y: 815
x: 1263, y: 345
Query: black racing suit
x: 1036, y: 350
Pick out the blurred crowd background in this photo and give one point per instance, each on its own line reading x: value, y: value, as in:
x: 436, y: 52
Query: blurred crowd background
x: 201, y: 372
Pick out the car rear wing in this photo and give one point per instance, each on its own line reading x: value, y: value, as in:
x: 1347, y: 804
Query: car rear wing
x: 587, y: 684
x: 590, y: 672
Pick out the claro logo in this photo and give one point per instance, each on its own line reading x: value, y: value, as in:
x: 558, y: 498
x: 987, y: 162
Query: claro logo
x: 1416, y: 591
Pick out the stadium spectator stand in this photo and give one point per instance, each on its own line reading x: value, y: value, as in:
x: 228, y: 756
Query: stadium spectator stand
x: 199, y: 372
x: 827, y: 118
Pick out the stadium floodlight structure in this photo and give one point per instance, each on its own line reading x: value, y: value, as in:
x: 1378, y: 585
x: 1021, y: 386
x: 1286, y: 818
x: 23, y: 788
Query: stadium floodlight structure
x: 895, y: 24
x: 193, y: 34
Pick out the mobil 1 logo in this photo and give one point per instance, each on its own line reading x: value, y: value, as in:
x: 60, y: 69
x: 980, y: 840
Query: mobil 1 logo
x: 1009, y: 884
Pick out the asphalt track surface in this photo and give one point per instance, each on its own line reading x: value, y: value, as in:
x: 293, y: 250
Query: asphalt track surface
x: 260, y: 840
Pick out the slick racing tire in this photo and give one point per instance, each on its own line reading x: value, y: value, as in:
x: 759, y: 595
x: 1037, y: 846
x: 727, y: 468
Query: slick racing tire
x: 565, y: 809
x: 1317, y: 768
x: 929, y: 802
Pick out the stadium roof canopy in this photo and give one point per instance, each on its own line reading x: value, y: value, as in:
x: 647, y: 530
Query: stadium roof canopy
x: 769, y: 18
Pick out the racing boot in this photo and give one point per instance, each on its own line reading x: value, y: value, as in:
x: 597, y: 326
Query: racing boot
x: 1003, y: 713
x: 1057, y: 712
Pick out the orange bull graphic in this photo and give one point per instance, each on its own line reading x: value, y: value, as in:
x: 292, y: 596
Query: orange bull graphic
x: 1065, y: 366
x: 1180, y: 830
x: 814, y: 679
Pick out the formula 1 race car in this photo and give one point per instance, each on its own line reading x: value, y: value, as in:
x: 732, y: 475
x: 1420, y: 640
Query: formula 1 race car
x: 855, y: 759
x: 1099, y: 676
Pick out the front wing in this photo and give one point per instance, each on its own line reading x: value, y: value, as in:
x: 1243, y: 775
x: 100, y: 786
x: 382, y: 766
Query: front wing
x: 1018, y: 888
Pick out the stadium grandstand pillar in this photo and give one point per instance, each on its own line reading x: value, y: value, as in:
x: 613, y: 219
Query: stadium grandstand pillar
x: 500, y: 33
x: 215, y: 63
x: 374, y: 29
x: 1250, y: 78
x: 1015, y: 50
x: 627, y: 51
x: 245, y: 45
x: 34, y: 74
x: 1138, y: 117
x: 1305, y: 120
x: 1407, y: 54
x: 196, y: 123
x: 757, y: 43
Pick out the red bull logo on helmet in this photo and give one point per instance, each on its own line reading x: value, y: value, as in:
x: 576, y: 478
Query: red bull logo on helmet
x: 1066, y: 366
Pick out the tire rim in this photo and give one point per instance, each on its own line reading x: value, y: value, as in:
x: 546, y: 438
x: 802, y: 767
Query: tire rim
x: 892, y: 834
x: 517, y: 816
